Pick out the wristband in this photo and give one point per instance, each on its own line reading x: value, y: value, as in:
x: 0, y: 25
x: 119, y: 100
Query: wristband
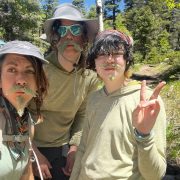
x: 140, y: 136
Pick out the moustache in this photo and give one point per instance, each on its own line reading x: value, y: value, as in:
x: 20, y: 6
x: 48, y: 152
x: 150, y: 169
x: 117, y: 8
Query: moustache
x: 63, y: 46
x: 115, y: 66
x: 24, y: 89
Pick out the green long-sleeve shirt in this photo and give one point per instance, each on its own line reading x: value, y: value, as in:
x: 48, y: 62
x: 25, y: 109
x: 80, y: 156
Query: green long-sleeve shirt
x: 108, y: 148
x: 63, y: 109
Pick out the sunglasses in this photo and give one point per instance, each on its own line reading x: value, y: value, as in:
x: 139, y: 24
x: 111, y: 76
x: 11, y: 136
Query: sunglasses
x: 75, y: 29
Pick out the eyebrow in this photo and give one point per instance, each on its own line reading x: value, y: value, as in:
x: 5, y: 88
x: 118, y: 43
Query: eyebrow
x: 12, y: 62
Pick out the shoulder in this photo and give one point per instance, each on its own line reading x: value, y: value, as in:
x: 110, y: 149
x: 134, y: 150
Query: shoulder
x: 50, y: 56
x: 91, y: 78
x: 95, y: 96
x: 90, y: 73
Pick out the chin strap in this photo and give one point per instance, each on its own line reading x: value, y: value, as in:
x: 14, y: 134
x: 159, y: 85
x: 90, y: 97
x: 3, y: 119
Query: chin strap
x: 2, y: 125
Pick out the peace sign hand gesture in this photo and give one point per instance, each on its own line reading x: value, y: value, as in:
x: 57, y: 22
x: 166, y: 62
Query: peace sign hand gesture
x: 145, y: 114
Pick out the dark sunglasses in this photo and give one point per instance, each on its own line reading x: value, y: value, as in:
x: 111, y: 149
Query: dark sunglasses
x: 75, y: 29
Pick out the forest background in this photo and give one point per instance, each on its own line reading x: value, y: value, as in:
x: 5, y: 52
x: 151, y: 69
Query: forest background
x: 153, y: 24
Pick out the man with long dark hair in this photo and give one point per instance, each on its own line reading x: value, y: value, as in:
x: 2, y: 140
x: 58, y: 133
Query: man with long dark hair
x: 57, y: 138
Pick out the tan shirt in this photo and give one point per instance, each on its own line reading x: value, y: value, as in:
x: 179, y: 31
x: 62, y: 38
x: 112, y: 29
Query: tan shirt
x: 64, y: 107
x: 108, y: 148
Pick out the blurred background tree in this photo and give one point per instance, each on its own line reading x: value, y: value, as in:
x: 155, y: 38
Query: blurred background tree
x: 20, y: 19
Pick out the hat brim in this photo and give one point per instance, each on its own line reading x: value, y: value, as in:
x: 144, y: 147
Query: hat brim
x: 22, y: 48
x: 44, y: 61
x: 92, y: 26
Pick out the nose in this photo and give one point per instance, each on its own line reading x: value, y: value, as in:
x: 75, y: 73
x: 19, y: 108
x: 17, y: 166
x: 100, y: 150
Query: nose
x: 21, y: 80
x: 110, y: 58
x: 69, y: 35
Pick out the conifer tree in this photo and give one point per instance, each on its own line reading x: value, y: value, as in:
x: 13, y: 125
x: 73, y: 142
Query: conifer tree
x: 111, y: 9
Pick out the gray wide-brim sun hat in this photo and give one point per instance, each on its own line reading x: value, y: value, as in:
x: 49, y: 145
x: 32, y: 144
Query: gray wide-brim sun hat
x: 22, y: 48
x: 67, y: 11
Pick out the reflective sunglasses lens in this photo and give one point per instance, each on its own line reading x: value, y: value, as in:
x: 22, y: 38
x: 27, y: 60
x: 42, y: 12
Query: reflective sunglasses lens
x: 76, y: 29
x: 62, y: 31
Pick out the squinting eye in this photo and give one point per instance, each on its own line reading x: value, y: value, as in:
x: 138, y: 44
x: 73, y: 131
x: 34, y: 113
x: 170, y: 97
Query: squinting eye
x: 30, y: 71
x: 11, y: 70
x: 101, y: 57
x: 115, y: 54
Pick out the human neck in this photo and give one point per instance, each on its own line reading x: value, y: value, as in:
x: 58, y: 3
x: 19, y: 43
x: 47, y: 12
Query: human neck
x: 66, y: 63
x: 113, y: 85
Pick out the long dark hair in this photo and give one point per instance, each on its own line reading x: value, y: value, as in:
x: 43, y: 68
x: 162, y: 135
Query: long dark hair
x: 41, y: 81
x: 40, y: 77
x: 54, y: 39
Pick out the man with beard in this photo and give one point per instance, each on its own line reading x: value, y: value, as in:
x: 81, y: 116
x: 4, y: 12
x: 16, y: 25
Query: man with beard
x: 70, y: 83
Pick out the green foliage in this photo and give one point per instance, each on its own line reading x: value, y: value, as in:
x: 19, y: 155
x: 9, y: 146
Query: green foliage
x: 92, y: 12
x: 80, y: 4
x: 171, y: 97
x: 19, y: 19
x: 158, y: 52
x: 138, y: 57
x: 155, y: 29
x: 174, y: 58
x: 111, y: 9
x: 130, y: 4
x: 153, y: 56
x: 174, y: 29
x: 143, y: 24
x: 120, y: 25
x: 173, y: 139
x: 108, y: 24
x: 172, y: 4
x: 48, y: 7
x: 163, y: 42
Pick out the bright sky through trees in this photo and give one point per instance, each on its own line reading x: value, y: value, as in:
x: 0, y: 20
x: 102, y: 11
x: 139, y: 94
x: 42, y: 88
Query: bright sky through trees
x: 88, y: 3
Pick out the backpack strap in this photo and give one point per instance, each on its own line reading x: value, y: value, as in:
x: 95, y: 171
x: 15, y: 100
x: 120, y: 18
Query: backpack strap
x: 15, y: 138
x: 2, y: 125
x: 32, y: 154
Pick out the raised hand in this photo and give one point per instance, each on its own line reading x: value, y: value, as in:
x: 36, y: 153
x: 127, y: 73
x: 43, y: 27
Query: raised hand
x: 145, y: 114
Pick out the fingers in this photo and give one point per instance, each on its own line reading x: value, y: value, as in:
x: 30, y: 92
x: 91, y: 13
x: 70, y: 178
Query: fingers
x: 143, y: 91
x: 70, y: 161
x: 157, y: 90
x: 149, y: 103
x: 46, y: 174
x: 44, y: 168
x: 66, y: 171
x: 144, y: 115
x: 44, y: 171
x: 49, y: 164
